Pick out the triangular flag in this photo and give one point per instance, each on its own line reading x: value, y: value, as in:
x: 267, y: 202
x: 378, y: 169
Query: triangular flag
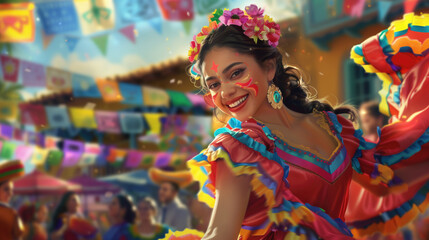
x: 47, y: 39
x: 410, y: 5
x: 357, y: 8
x: 129, y: 33
x: 101, y: 42
x: 156, y: 23
x: 187, y: 25
x: 383, y: 9
x: 71, y: 42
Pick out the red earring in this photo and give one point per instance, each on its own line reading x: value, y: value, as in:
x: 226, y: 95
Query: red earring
x: 209, y: 100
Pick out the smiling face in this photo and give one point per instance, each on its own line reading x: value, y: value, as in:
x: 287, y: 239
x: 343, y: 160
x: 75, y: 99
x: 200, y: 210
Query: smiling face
x: 237, y: 83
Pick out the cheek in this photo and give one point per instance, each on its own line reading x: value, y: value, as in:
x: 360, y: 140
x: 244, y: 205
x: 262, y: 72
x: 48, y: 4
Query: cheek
x: 216, y: 99
x: 248, y: 84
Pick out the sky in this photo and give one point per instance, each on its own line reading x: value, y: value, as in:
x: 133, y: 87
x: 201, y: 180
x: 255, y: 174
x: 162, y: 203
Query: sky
x: 123, y: 56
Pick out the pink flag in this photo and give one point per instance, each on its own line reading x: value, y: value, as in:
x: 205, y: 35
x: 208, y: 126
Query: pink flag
x: 23, y: 152
x: 129, y: 33
x: 410, y: 5
x: 10, y: 67
x: 33, y: 74
x: 134, y: 159
x: 357, y: 9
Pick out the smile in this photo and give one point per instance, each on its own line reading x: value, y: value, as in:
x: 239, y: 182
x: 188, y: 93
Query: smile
x: 240, y: 102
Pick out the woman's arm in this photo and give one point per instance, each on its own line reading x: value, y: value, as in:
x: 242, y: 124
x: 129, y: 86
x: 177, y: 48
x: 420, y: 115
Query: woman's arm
x: 232, y: 197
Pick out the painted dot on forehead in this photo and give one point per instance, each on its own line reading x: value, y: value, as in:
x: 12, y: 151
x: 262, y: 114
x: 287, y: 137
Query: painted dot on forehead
x: 214, y: 66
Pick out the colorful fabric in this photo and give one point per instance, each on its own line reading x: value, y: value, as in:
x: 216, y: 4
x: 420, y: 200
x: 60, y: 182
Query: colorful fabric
x: 160, y: 232
x: 391, y: 53
x: 403, y: 144
x: 250, y: 148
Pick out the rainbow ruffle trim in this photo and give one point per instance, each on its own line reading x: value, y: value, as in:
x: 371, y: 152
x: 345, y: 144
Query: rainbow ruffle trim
x: 391, y: 53
x: 389, y: 222
x: 187, y: 234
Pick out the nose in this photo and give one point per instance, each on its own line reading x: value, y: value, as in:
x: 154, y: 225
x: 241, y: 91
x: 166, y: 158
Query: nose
x: 228, y: 90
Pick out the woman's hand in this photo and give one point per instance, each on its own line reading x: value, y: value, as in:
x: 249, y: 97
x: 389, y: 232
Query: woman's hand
x: 232, y: 197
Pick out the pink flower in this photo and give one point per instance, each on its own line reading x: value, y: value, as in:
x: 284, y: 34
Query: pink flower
x: 273, y: 33
x: 253, y: 27
x: 234, y: 17
x: 253, y: 11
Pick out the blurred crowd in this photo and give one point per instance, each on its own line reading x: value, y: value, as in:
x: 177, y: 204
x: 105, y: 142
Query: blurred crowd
x: 128, y: 218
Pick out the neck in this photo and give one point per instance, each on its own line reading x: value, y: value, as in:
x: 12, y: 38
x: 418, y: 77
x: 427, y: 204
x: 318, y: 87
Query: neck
x: 283, y: 116
x: 147, y: 224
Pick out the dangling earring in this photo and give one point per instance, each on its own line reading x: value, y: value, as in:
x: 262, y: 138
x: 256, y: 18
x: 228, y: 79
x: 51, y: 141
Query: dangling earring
x: 274, y: 96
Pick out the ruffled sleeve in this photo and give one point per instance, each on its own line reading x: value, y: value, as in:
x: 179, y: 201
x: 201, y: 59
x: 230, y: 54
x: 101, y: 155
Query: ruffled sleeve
x: 398, y: 55
x: 248, y: 148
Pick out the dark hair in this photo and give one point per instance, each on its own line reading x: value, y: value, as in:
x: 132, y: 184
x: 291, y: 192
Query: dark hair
x: 372, y: 108
x: 60, y: 210
x: 174, y: 185
x: 126, y: 202
x: 287, y: 78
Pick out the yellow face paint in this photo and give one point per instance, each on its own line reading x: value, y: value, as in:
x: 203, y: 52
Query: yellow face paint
x: 248, y: 84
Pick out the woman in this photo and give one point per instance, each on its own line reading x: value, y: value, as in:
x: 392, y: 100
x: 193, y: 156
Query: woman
x: 147, y: 227
x: 34, y: 216
x: 282, y: 165
x: 123, y: 215
x: 67, y: 224
x: 11, y: 226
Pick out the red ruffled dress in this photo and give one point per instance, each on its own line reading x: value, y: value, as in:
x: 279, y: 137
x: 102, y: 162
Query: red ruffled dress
x: 398, y: 55
x: 296, y: 193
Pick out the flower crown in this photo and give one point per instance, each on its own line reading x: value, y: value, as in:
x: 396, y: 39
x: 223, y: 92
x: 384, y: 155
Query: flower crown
x: 255, y: 25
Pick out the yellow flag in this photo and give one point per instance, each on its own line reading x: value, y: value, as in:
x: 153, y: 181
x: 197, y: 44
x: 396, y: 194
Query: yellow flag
x: 39, y: 155
x: 8, y: 110
x: 83, y: 118
x: 154, y: 121
x: 155, y: 97
x: 17, y: 22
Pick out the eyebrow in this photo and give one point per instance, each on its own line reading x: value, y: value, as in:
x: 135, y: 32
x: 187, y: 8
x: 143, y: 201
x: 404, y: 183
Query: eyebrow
x: 225, y: 70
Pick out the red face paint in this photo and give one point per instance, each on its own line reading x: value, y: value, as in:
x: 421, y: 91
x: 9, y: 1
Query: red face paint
x: 216, y: 99
x: 214, y: 66
x: 249, y: 85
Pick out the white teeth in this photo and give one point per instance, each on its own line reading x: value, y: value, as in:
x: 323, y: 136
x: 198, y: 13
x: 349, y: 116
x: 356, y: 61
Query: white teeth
x: 235, y: 104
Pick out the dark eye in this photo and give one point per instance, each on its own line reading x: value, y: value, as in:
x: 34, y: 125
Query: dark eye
x: 214, y: 85
x: 237, y: 73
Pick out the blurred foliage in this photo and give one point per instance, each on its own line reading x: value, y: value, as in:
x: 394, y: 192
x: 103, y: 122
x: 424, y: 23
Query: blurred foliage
x: 10, y: 91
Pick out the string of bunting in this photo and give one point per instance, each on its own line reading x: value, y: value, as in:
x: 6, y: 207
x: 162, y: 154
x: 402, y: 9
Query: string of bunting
x: 82, y: 86
x: 59, y: 117
x: 89, y: 17
x: 41, y: 149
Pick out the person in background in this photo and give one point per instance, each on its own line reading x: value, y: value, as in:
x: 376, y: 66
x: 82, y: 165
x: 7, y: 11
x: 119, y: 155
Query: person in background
x: 173, y: 212
x: 148, y: 228
x: 34, y: 216
x: 67, y: 223
x: 371, y: 119
x: 122, y: 214
x: 11, y: 226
